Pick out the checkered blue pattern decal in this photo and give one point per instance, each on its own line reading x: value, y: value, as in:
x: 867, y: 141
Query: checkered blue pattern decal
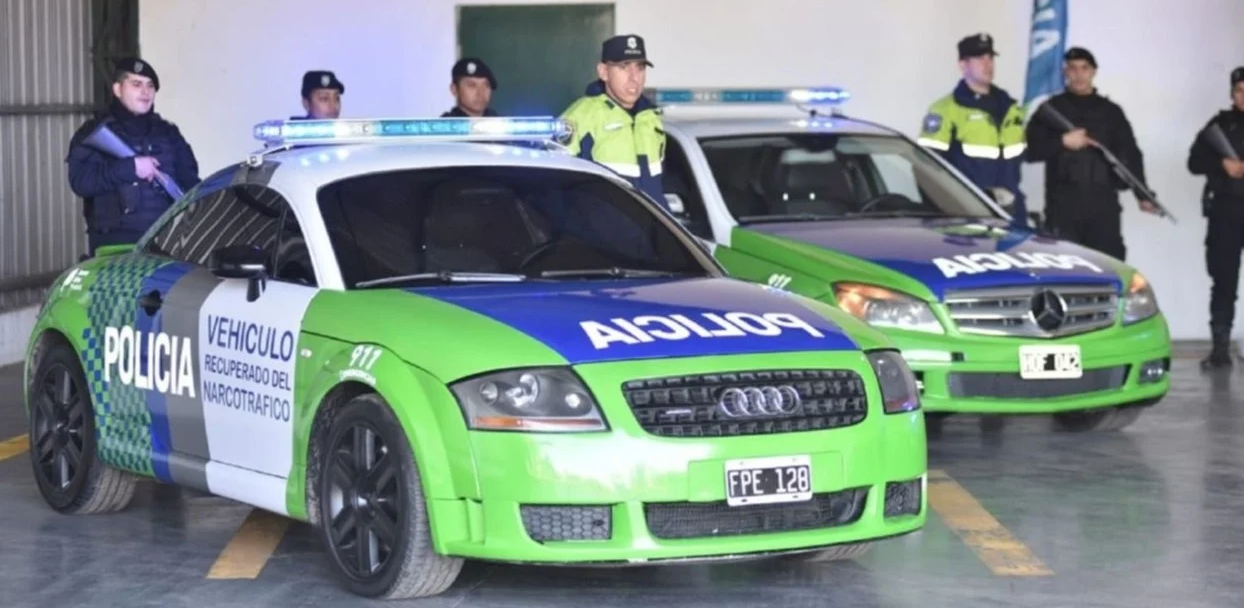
x: 123, y: 423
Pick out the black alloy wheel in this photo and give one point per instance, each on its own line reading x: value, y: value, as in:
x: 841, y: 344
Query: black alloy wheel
x: 66, y: 466
x: 372, y: 511
x: 58, y: 443
x: 365, y: 500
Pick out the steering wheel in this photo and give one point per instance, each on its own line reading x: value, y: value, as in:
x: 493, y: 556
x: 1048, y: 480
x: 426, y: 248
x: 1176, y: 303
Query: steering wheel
x: 540, y: 251
x: 903, y: 198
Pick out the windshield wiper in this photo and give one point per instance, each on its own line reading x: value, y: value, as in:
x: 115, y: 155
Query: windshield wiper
x: 446, y: 276
x: 788, y: 217
x: 897, y: 213
x: 614, y: 271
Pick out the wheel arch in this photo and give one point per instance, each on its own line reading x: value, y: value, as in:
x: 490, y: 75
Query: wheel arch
x: 408, y: 393
x: 41, y: 341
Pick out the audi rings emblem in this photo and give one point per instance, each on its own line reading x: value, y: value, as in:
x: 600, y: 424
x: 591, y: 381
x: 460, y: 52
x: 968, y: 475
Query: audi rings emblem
x: 758, y: 402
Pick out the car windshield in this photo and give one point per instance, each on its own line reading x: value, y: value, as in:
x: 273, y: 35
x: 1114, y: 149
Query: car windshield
x: 495, y: 224
x: 818, y: 176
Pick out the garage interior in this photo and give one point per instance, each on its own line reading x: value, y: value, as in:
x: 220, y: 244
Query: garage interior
x: 1021, y: 514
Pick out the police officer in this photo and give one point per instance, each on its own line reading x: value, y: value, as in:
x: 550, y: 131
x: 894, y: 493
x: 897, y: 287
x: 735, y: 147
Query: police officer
x: 1223, y: 206
x: 121, y: 195
x: 1081, y: 189
x: 614, y: 124
x: 471, y: 84
x: 979, y: 127
x: 321, y: 95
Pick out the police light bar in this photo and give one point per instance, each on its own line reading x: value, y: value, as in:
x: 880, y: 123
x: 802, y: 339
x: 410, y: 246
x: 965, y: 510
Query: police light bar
x: 361, y: 130
x: 808, y: 96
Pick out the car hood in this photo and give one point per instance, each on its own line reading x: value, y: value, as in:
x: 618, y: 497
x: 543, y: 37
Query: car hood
x: 589, y: 321
x: 947, y: 255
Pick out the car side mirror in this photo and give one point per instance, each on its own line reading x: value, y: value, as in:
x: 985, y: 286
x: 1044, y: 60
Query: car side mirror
x: 241, y: 262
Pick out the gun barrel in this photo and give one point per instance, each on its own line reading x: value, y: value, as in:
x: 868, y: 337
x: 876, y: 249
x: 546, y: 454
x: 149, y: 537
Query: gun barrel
x: 104, y: 140
x: 1220, y: 143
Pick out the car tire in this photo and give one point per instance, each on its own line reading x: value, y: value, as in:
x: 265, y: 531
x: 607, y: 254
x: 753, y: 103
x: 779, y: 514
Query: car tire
x: 834, y: 554
x: 1102, y: 419
x: 384, y: 502
x: 63, y: 457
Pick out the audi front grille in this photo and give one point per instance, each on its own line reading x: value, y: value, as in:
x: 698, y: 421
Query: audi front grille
x: 748, y: 402
x: 1042, y: 311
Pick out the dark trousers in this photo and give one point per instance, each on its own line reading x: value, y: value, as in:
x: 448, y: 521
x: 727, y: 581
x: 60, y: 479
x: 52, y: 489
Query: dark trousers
x: 1091, y: 220
x: 1224, y: 240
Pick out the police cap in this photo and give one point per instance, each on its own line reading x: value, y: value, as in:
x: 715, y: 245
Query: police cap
x: 135, y: 65
x: 321, y: 79
x: 976, y: 45
x: 624, y: 48
x: 1237, y: 75
x: 473, y: 66
x: 1079, y: 52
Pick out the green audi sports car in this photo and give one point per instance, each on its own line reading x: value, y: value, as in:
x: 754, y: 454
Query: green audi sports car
x: 447, y: 339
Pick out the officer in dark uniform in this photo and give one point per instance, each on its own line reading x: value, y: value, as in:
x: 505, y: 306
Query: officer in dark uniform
x: 122, y: 198
x: 471, y: 84
x: 1081, y: 188
x: 321, y: 95
x: 1216, y: 156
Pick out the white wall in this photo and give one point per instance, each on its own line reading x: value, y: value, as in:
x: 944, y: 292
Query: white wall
x: 226, y: 64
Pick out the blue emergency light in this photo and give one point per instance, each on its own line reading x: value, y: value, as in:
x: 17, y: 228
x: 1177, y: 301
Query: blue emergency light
x: 364, y: 130
x: 813, y: 96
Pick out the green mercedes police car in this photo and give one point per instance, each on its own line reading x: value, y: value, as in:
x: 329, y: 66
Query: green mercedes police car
x: 448, y: 339
x: 994, y: 317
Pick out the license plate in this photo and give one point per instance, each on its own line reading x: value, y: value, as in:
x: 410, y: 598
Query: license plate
x: 1049, y: 362
x: 755, y: 481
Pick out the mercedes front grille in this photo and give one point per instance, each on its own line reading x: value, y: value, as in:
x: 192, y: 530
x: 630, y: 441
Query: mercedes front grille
x: 1037, y: 311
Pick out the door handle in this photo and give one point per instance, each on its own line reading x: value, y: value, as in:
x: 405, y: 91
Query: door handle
x: 151, y: 302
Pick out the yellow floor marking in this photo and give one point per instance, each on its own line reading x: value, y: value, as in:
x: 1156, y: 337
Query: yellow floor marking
x: 12, y: 447
x: 1004, y: 554
x: 251, y: 546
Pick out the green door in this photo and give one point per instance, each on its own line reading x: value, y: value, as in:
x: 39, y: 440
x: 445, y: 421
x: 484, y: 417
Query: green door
x: 543, y: 55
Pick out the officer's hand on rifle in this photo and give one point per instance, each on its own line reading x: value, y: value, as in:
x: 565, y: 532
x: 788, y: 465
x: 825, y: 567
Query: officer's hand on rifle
x: 1234, y: 168
x: 1148, y: 207
x: 1076, y: 139
x: 145, y: 167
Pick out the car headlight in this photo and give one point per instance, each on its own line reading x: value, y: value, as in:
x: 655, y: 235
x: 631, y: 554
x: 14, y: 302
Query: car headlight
x: 534, y: 400
x: 898, y: 384
x: 881, y: 307
x: 1139, y: 303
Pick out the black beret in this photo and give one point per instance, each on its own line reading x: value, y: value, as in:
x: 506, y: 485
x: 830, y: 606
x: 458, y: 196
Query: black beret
x: 135, y: 65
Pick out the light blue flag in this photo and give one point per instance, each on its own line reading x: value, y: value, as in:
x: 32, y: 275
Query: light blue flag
x: 1045, y: 53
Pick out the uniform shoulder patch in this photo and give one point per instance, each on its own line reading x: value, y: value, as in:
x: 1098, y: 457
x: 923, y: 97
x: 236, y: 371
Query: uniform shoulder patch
x: 932, y: 122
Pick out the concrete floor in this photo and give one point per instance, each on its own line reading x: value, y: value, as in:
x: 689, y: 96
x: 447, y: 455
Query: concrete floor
x: 1153, y: 516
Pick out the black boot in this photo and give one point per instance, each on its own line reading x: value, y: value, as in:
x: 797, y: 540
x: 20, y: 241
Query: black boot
x: 1220, y: 354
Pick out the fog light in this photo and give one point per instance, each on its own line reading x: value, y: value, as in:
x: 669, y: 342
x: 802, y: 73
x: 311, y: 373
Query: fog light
x: 903, y: 497
x: 1154, y: 371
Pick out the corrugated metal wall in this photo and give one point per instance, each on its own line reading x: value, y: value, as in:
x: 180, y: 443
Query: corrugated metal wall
x: 45, y: 94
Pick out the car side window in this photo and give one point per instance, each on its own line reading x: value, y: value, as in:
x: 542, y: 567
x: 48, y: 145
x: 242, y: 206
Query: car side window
x: 247, y: 214
x: 682, y: 193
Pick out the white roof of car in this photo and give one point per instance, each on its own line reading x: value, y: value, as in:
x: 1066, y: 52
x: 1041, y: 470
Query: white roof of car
x: 742, y: 124
x: 313, y: 166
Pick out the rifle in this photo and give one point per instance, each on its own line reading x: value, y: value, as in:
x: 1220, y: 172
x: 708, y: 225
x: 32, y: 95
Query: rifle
x: 1218, y: 140
x: 106, y: 141
x: 1142, y: 191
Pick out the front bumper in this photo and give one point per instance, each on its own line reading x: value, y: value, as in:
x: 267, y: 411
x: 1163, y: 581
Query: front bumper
x: 627, y: 496
x: 980, y: 374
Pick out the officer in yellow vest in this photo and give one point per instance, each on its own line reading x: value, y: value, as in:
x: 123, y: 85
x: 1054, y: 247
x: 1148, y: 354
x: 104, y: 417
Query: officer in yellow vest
x: 614, y: 124
x: 979, y: 128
